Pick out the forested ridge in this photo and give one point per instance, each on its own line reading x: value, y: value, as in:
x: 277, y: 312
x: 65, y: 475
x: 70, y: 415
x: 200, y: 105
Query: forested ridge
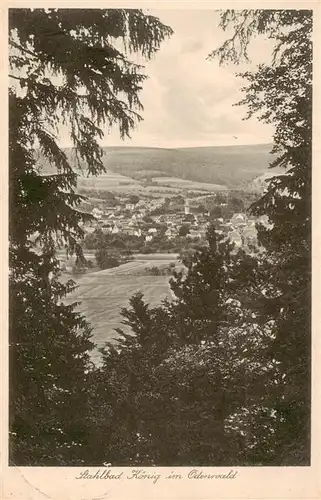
x: 229, y: 166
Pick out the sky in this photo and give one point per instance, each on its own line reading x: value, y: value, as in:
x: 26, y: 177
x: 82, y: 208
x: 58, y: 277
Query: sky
x: 188, y: 100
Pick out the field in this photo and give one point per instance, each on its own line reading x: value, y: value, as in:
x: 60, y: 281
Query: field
x: 102, y: 294
x: 110, y: 181
x: 175, y: 182
x: 162, y: 186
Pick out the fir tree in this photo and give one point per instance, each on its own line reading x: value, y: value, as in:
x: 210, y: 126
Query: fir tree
x: 70, y: 66
x: 190, y: 381
x: 280, y: 93
x: 229, y: 360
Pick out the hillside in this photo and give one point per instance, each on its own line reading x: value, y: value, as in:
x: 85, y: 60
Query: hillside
x: 102, y: 294
x: 230, y: 166
x: 223, y: 166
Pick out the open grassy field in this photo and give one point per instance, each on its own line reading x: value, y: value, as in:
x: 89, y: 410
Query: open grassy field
x: 124, y: 185
x: 102, y: 294
x: 109, y: 181
x: 162, y: 186
x: 175, y: 182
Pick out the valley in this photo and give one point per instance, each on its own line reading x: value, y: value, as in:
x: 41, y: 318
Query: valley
x: 156, y: 204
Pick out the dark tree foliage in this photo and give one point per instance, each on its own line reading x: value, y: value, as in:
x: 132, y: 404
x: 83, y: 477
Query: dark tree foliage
x: 107, y: 258
x: 183, y: 230
x: 72, y: 67
x: 216, y: 212
x: 228, y: 361
x: 188, y: 384
x: 280, y: 93
x: 236, y: 204
x: 134, y: 199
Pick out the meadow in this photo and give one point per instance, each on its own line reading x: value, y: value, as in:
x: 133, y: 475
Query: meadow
x: 109, y: 181
x: 102, y: 294
x: 176, y: 182
x: 161, y: 186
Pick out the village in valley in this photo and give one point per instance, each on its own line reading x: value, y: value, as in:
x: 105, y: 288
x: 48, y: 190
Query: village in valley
x: 170, y: 222
x: 135, y: 243
x: 159, y: 250
x: 147, y: 218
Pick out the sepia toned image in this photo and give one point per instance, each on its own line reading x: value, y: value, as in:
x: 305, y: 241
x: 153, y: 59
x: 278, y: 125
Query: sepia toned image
x: 160, y: 166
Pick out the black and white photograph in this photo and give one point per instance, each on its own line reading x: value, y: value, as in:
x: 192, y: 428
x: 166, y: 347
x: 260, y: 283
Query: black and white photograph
x: 160, y: 180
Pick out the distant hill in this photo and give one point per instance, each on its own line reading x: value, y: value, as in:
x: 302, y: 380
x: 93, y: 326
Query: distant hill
x: 230, y: 166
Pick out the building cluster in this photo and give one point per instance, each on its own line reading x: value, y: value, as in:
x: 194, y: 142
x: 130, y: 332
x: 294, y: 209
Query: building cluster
x: 240, y: 229
x: 139, y: 220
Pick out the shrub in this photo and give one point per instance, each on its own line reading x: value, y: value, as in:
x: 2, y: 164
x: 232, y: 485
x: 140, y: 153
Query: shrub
x: 106, y: 260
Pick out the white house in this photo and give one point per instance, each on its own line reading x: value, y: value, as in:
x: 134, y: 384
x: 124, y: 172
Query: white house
x: 89, y: 229
x: 97, y: 213
x: 195, y: 234
x: 239, y: 219
x: 106, y: 228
